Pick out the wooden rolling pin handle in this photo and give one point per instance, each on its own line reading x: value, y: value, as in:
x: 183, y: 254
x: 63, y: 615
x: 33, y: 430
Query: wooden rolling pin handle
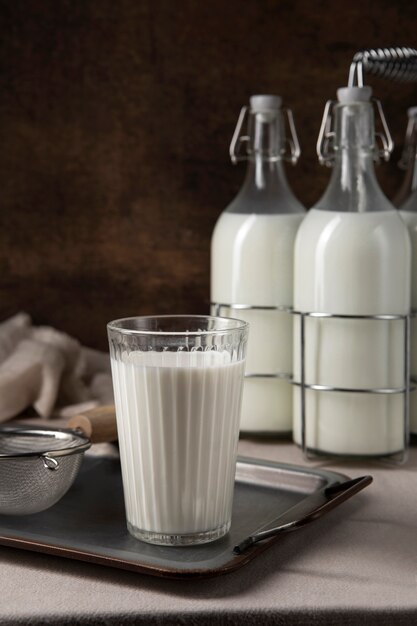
x: 99, y: 424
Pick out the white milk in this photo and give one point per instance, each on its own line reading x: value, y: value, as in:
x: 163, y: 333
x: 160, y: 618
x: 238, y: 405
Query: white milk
x: 351, y: 263
x: 410, y: 218
x: 252, y: 263
x: 177, y: 420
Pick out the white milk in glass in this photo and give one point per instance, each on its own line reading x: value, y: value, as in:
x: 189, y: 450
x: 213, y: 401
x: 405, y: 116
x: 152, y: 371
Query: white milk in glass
x: 351, y: 263
x: 177, y: 420
x: 410, y: 218
x: 252, y: 264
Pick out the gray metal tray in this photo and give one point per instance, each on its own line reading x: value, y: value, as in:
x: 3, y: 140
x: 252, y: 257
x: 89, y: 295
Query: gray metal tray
x: 89, y: 524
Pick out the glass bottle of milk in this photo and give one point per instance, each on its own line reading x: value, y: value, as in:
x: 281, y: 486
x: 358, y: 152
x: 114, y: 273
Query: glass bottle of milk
x: 352, y: 264
x: 252, y: 263
x: 407, y: 202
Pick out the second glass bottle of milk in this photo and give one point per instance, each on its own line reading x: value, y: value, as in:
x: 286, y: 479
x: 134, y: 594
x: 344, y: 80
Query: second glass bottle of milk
x: 252, y: 263
x: 407, y: 201
x: 352, y: 284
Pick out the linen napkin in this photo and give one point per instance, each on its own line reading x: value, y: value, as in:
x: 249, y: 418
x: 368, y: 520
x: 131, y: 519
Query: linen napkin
x: 43, y: 368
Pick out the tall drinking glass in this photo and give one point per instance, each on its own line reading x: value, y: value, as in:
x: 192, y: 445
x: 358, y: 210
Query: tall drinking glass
x: 178, y: 386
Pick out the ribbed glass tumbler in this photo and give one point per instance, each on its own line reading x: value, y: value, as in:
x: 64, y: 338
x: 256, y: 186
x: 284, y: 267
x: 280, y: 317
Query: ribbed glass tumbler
x: 178, y: 386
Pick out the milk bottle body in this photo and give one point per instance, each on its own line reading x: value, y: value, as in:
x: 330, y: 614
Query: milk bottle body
x: 362, y: 269
x: 406, y: 200
x: 258, y: 251
x: 252, y: 277
x: 352, y: 258
x: 408, y: 213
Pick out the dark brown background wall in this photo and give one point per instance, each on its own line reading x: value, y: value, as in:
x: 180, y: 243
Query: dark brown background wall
x: 115, y: 120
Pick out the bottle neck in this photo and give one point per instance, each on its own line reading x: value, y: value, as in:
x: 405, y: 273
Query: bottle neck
x: 265, y: 189
x: 412, y: 168
x: 353, y: 186
x: 413, y: 175
x: 409, y: 184
x: 265, y: 175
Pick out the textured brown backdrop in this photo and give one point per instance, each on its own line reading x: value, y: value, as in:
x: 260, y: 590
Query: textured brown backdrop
x: 115, y: 120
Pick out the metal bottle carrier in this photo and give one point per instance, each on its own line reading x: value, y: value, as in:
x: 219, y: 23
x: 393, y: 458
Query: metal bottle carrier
x: 218, y: 309
x: 404, y: 390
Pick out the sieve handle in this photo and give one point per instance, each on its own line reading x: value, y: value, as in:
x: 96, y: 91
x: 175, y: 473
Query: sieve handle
x: 98, y: 424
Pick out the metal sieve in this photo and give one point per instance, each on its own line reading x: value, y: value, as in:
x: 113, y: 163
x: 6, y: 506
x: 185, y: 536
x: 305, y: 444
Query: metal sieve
x: 38, y: 465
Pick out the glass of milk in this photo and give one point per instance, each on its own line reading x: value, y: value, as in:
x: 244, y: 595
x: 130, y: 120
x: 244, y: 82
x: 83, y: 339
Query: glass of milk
x: 178, y: 385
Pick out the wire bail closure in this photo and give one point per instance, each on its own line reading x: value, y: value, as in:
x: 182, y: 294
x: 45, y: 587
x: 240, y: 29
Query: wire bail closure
x: 239, y: 146
x: 397, y: 63
x: 325, y: 143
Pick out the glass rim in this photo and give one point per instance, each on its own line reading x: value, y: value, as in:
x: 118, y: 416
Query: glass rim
x: 236, y: 325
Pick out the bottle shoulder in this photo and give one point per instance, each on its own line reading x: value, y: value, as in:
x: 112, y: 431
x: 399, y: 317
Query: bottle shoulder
x: 246, y: 225
x: 410, y: 220
x: 277, y: 200
x: 372, y: 218
x: 410, y: 205
x: 326, y: 229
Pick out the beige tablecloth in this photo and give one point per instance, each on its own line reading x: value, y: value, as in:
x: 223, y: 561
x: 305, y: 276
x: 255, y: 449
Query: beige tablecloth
x: 357, y: 565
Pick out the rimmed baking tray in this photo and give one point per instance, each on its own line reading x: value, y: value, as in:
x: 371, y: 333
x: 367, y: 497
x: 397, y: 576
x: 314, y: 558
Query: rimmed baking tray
x: 88, y: 523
